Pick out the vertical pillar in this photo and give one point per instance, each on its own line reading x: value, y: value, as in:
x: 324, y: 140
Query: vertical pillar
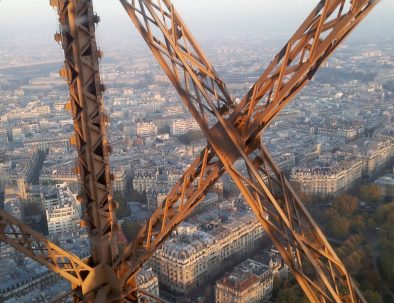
x: 81, y: 69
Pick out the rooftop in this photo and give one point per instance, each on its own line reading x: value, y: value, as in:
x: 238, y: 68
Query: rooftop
x: 239, y: 281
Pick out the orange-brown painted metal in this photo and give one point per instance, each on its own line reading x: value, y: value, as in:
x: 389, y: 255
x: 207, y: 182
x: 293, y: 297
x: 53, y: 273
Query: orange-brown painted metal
x: 109, y: 276
x: 36, y: 246
x: 236, y: 136
x: 81, y: 68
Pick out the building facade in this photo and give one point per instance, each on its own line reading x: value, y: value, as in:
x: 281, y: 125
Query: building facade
x: 120, y: 180
x: 63, y: 213
x: 147, y: 280
x: 194, y: 255
x: 249, y: 282
x: 327, y: 179
x: 182, y: 126
x: 146, y: 129
x: 143, y: 180
x: 375, y: 155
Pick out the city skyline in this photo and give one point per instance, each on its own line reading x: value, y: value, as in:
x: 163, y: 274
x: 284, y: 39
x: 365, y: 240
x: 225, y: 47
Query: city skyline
x: 285, y: 193
x: 229, y: 18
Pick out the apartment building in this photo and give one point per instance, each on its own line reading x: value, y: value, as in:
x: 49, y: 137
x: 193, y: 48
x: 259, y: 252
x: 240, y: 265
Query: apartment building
x: 155, y: 197
x: 375, y: 154
x: 63, y: 212
x: 327, y: 178
x: 195, y: 254
x: 120, y: 179
x: 46, y: 143
x: 146, y: 129
x: 249, y: 282
x: 147, y: 280
x: 144, y: 179
x: 182, y: 126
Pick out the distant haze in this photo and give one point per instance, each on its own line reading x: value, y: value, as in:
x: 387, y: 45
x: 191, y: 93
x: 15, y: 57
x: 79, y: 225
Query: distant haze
x: 206, y: 18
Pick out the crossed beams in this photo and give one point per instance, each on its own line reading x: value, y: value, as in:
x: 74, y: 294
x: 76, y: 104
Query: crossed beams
x: 36, y: 246
x: 236, y: 135
x: 233, y: 133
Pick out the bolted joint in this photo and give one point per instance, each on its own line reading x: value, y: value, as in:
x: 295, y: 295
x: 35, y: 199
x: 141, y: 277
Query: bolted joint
x: 63, y: 73
x: 252, y: 144
x: 79, y: 198
x: 67, y: 106
x: 76, y: 171
x: 104, y: 118
x: 102, y: 279
x: 54, y: 3
x: 107, y: 148
x: 73, y: 140
x: 57, y: 37
x: 100, y: 54
x: 96, y: 19
x: 83, y: 223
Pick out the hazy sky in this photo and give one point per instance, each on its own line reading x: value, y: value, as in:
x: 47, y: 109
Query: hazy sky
x: 206, y: 18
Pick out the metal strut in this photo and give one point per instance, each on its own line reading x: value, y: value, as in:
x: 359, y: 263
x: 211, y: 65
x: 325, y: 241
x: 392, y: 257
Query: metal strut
x: 34, y: 245
x: 81, y: 69
x: 235, y: 135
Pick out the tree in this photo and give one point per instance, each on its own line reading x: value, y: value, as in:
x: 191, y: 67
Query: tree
x: 383, y: 211
x: 354, y: 261
x: 276, y: 286
x: 287, y: 296
x: 307, y: 199
x: 372, y: 296
x: 370, y: 279
x: 340, y: 227
x: 190, y: 137
x: 349, y: 245
x: 330, y: 214
x: 386, y: 267
x: 130, y: 228
x: 358, y: 224
x: 135, y: 196
x: 345, y: 204
x: 293, y: 294
x: 370, y: 192
x: 122, y: 210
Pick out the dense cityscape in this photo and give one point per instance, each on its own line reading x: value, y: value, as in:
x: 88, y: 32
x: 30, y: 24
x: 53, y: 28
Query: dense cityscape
x: 335, y: 142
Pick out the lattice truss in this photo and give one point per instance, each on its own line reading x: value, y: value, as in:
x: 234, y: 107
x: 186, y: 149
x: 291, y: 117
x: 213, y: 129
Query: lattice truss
x: 233, y: 131
x: 81, y: 70
x: 33, y: 244
x: 235, y: 136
